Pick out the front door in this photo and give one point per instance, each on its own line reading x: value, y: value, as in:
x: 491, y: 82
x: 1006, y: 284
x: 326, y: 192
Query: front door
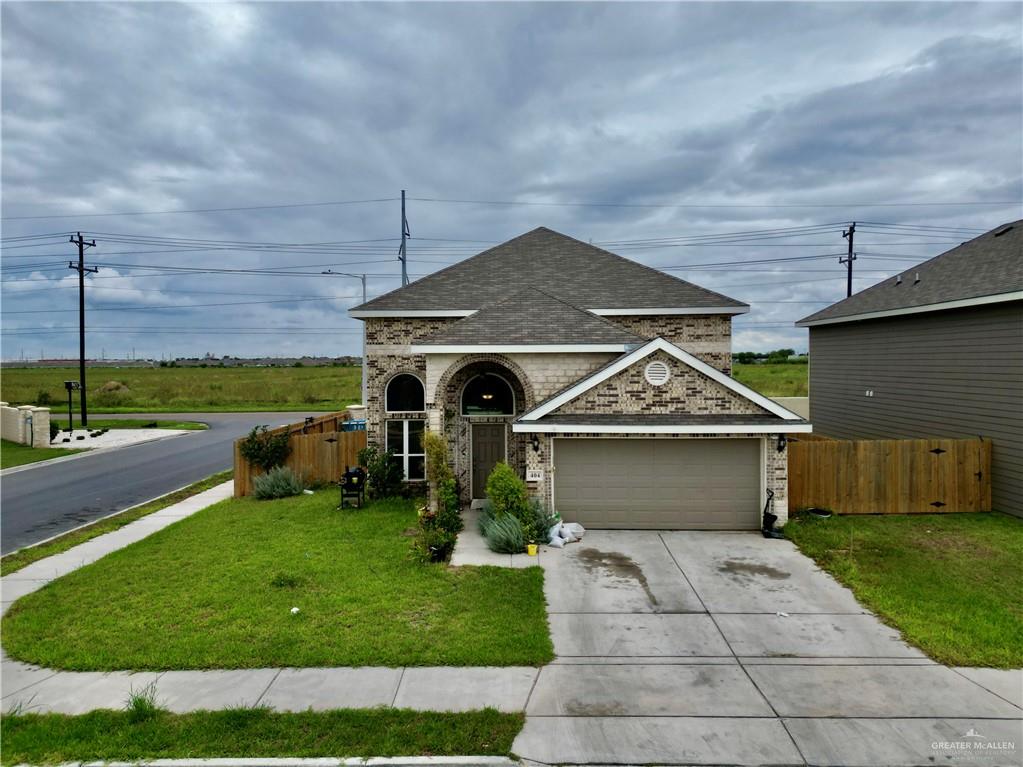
x: 487, y: 450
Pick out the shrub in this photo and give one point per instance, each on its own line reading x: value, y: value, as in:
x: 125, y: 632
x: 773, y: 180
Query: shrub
x: 279, y: 482
x: 54, y: 430
x: 265, y: 450
x: 504, y: 533
x: 449, y: 512
x: 433, y: 544
x: 43, y: 398
x: 509, y: 497
x: 384, y: 472
x: 507, y: 492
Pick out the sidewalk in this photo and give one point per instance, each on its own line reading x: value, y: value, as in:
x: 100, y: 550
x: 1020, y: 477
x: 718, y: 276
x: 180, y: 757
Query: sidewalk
x: 34, y: 689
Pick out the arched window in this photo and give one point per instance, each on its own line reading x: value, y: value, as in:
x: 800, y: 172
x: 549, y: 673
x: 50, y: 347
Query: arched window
x: 488, y: 394
x: 405, y: 394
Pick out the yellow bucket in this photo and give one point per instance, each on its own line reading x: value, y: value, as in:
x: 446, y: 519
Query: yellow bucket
x: 531, y: 549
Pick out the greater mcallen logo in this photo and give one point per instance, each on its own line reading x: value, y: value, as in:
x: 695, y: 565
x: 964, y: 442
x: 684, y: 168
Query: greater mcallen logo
x: 973, y: 742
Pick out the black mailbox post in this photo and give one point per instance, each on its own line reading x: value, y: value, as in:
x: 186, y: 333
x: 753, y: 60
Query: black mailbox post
x: 71, y: 386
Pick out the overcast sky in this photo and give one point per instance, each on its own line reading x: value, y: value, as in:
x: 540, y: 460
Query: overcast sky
x: 756, y: 108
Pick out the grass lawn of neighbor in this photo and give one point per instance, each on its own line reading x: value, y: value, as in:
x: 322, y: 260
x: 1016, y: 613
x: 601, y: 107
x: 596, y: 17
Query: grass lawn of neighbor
x: 12, y: 454
x: 188, y: 389
x: 216, y: 590
x: 131, y: 423
x: 14, y: 561
x: 951, y: 583
x: 253, y: 732
x: 774, y: 379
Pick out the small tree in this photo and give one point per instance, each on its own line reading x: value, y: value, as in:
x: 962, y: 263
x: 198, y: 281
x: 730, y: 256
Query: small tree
x: 265, y: 449
x: 438, y: 471
x: 383, y: 470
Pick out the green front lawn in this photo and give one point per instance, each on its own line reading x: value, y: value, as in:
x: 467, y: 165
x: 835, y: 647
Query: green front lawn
x: 113, y: 736
x: 12, y: 454
x: 951, y: 583
x: 216, y: 591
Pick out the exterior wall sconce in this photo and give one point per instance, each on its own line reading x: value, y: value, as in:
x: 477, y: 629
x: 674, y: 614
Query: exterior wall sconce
x: 535, y: 442
x: 782, y: 441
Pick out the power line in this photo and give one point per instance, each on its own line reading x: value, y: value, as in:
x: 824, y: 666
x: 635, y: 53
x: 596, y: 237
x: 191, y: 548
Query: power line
x: 200, y: 210
x: 718, y: 205
x: 181, y: 306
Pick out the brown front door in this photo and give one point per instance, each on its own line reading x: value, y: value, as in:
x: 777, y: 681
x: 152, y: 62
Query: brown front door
x: 487, y: 450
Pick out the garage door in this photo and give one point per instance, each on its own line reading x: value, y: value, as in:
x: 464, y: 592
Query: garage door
x: 660, y: 484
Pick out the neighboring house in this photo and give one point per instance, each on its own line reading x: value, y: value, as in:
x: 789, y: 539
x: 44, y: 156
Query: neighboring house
x: 935, y: 352
x: 603, y: 382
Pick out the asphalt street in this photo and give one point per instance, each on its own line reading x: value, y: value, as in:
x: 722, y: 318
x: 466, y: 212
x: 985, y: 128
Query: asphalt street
x: 44, y: 500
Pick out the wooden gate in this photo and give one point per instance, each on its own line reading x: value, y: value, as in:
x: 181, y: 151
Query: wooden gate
x: 320, y: 451
x: 890, y: 476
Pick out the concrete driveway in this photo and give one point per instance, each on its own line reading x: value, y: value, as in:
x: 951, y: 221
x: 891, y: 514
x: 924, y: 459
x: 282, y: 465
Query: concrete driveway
x: 726, y: 648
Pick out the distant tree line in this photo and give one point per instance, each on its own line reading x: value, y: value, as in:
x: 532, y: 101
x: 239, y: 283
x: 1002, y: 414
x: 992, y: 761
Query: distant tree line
x: 774, y: 357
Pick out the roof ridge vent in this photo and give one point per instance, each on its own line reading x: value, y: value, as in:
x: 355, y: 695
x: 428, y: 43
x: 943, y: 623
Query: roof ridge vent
x: 1003, y: 230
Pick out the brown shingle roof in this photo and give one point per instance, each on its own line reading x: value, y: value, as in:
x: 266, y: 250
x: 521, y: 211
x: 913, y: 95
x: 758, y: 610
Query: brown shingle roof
x: 589, y: 277
x: 988, y: 265
x: 532, y: 316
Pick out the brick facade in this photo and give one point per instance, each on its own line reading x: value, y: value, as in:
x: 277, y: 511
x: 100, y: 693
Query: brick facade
x: 537, y: 376
x: 707, y: 337
x: 686, y: 391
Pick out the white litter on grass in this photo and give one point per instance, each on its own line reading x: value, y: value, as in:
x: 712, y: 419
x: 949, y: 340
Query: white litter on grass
x: 294, y: 611
x: 308, y: 492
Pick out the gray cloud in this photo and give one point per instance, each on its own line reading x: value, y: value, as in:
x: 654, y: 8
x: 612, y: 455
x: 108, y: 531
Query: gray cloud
x: 118, y: 107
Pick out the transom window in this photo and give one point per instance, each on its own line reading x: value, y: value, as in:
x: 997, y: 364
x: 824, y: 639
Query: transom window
x: 405, y: 441
x: 488, y: 394
x: 405, y: 394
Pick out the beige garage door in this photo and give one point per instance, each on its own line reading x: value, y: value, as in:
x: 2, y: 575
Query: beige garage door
x: 659, y: 484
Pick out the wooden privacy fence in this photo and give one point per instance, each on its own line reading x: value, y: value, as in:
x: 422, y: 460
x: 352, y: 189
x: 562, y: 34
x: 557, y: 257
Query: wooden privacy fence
x: 890, y: 476
x: 320, y: 451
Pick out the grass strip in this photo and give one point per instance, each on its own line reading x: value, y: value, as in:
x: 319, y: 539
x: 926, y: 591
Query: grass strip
x: 12, y: 454
x: 254, y: 732
x: 132, y: 423
x: 16, y: 560
x: 951, y: 583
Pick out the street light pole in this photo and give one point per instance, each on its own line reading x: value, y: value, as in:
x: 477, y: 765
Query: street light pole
x: 363, y: 278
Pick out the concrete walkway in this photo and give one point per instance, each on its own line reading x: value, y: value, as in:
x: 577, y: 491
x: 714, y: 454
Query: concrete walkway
x: 726, y: 648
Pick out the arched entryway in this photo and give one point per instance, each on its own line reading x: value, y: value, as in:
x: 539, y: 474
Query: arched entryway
x: 480, y: 400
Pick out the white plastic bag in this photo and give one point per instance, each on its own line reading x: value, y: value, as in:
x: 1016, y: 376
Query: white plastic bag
x: 575, y: 529
x: 555, y: 532
x: 556, y: 543
x: 566, y: 535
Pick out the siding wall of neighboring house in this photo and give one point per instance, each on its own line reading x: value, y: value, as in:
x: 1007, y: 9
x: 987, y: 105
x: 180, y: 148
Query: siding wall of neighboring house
x: 940, y: 374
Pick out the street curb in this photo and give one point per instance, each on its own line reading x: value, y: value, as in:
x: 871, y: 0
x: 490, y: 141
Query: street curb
x: 373, y: 761
x: 87, y: 451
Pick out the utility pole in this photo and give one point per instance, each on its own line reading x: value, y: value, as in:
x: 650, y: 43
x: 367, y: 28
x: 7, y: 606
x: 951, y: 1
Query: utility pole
x: 848, y: 234
x: 403, y: 250
x: 363, y: 278
x: 80, y: 268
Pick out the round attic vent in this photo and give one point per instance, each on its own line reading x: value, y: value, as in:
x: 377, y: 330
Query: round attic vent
x: 657, y: 373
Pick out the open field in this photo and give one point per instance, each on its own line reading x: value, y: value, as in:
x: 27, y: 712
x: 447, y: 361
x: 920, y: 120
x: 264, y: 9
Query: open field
x: 12, y: 454
x: 128, y: 736
x: 167, y: 390
x: 216, y: 590
x: 951, y: 583
x: 775, y: 379
x: 173, y: 389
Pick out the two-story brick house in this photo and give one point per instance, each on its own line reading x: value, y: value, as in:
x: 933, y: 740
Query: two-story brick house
x: 604, y: 382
